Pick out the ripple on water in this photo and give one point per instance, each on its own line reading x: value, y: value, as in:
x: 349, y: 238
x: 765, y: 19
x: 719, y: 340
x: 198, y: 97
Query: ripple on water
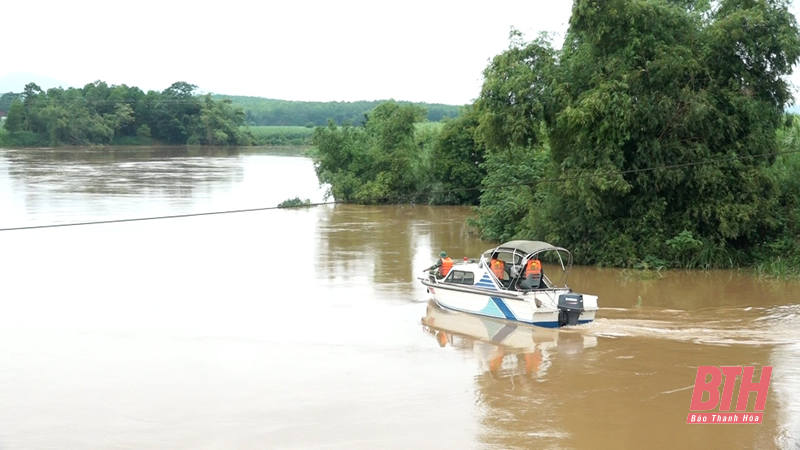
x: 724, y: 326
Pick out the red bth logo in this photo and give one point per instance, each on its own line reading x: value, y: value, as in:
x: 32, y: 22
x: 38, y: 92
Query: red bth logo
x: 703, y: 384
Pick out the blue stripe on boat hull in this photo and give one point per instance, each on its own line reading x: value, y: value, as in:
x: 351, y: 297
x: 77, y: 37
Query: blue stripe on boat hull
x: 504, y: 308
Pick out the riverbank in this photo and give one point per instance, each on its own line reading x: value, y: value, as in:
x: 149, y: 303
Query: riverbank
x: 144, y: 152
x: 260, y: 136
x: 279, y: 135
x: 778, y: 268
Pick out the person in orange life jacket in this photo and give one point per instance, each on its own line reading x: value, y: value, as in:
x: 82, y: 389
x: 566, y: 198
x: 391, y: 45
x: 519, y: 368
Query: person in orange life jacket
x: 533, y: 275
x: 444, y: 264
x: 534, y: 267
x: 497, y: 266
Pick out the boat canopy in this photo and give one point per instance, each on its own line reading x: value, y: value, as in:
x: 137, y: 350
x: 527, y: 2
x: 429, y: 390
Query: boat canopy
x: 525, y: 250
x: 527, y: 247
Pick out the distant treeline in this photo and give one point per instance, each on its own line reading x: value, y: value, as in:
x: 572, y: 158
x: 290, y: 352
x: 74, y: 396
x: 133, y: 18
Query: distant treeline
x: 264, y: 111
x: 102, y: 114
x: 123, y: 115
x: 281, y: 135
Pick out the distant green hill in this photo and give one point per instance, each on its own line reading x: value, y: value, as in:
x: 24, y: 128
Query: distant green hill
x: 265, y: 111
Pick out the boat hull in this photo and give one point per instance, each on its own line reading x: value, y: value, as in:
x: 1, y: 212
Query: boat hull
x: 509, y: 306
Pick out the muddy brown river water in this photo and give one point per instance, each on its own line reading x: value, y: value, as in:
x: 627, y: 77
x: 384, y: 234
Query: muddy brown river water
x: 308, y: 328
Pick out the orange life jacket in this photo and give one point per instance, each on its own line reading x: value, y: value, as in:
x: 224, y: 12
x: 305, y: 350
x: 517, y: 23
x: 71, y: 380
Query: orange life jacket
x: 534, y: 267
x: 447, y: 264
x: 498, y: 267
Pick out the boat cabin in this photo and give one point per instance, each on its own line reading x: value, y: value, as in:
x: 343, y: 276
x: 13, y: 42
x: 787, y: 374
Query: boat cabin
x: 467, y: 274
x: 512, y: 274
x: 515, y: 256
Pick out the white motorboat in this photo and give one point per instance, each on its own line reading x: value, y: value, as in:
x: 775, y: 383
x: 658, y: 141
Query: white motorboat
x: 473, y: 287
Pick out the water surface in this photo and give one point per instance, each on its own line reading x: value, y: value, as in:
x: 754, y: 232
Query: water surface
x: 307, y: 328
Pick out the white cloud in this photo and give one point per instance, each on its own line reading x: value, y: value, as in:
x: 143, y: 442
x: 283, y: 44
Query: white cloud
x: 299, y: 50
x: 344, y: 50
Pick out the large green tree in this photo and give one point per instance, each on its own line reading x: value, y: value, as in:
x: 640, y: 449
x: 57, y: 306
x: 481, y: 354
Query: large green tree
x: 457, y: 161
x: 175, y: 113
x: 379, y: 162
x: 644, y: 84
x: 7, y: 99
x: 16, y: 117
x: 220, y: 124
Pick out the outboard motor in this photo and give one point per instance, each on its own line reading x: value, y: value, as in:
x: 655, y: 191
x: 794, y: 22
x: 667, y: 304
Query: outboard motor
x: 570, y: 307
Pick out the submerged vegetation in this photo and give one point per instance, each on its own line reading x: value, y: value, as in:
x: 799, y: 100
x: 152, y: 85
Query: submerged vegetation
x: 396, y: 157
x: 294, y: 203
x: 655, y: 137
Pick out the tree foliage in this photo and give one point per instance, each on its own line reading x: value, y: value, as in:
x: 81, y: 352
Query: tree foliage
x: 512, y: 100
x: 102, y: 114
x: 457, y: 161
x: 6, y: 100
x: 397, y: 157
x: 374, y: 163
x: 272, y: 112
x: 641, y: 85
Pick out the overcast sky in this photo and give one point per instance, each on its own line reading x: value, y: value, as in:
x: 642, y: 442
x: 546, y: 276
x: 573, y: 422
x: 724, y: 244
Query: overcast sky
x: 427, y: 51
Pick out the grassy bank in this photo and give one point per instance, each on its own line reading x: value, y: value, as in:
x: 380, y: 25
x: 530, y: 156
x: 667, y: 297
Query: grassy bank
x: 21, y: 139
x: 297, y: 135
x: 29, y: 139
x: 262, y: 136
x: 281, y: 135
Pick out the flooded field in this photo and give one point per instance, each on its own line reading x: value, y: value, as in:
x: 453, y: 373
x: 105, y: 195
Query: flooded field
x: 308, y: 328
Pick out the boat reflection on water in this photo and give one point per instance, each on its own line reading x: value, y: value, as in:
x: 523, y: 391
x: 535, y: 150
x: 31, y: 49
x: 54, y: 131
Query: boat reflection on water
x: 503, y: 348
x: 529, y: 376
